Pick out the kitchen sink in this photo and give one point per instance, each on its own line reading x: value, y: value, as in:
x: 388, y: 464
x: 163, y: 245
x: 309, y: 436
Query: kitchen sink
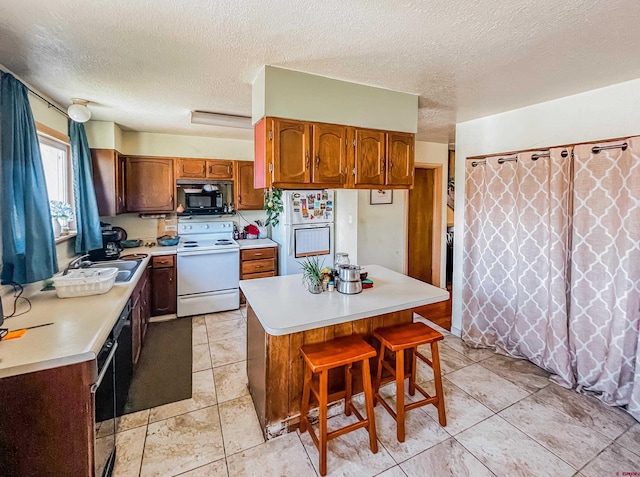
x: 126, y: 268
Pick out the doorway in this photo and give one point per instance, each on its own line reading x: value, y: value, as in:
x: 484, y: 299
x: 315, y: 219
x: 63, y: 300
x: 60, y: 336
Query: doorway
x: 424, y: 238
x: 423, y: 244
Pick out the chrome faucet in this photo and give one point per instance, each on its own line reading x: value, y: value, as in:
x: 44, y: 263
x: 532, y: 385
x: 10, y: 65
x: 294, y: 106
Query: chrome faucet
x: 79, y: 262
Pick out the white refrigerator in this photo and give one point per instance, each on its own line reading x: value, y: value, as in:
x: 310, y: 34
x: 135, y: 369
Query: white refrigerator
x: 305, y: 229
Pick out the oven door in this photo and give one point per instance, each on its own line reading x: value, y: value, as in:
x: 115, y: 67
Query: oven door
x: 208, y: 271
x: 105, y: 411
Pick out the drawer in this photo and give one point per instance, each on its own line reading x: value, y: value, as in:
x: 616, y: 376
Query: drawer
x: 249, y: 276
x: 258, y: 253
x: 255, y: 266
x: 163, y: 261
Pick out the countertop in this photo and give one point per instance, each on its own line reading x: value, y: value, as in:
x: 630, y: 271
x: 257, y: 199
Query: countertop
x: 256, y: 243
x: 283, y: 304
x: 80, y: 325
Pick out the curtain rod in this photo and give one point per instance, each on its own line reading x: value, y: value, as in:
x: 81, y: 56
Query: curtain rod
x: 35, y: 93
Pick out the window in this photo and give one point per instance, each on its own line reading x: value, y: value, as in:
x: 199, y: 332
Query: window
x: 56, y: 162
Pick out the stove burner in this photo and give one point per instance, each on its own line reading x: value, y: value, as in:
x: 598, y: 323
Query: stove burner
x: 190, y: 241
x: 223, y: 242
x: 190, y: 244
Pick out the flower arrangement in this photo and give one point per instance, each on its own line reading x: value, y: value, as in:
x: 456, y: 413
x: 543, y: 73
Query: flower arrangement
x: 273, y: 205
x: 60, y: 210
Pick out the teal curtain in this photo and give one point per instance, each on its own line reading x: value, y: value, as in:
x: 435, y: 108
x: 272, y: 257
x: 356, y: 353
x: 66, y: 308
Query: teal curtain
x: 87, y: 219
x: 28, y: 245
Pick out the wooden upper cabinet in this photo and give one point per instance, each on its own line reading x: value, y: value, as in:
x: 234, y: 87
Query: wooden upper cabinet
x: 247, y: 198
x: 291, y: 152
x: 191, y: 168
x: 109, y: 181
x: 306, y: 155
x: 400, y: 158
x: 329, y: 154
x: 150, y: 185
x: 220, y: 170
x: 370, y: 157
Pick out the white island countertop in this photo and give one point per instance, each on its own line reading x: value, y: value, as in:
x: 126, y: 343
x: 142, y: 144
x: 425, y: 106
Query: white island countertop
x: 283, y: 304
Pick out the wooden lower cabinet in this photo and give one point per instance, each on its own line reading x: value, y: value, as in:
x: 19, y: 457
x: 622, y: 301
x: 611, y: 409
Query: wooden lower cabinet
x: 47, y: 425
x: 258, y: 263
x: 164, y: 293
x: 140, y: 313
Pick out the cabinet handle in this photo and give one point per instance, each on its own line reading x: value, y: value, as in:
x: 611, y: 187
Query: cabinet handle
x: 382, y: 163
x: 317, y: 160
x: 239, y: 199
x: 307, y: 162
x: 390, y: 164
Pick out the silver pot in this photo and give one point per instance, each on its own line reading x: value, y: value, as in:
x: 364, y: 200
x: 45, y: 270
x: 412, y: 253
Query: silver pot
x: 349, y: 288
x: 349, y: 273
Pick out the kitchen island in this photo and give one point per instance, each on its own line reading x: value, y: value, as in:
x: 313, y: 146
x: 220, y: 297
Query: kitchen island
x: 282, y: 316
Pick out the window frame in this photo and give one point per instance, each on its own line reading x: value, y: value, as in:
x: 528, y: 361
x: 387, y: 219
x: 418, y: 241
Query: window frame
x: 54, y: 138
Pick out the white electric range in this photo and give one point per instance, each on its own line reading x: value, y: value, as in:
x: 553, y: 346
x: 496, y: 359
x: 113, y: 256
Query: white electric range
x: 208, y: 267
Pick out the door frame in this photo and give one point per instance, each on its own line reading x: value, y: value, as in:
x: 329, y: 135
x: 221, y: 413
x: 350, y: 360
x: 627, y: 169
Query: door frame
x: 438, y: 199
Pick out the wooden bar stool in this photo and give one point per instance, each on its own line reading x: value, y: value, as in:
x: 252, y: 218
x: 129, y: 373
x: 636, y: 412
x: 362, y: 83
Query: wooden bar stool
x: 397, y: 339
x: 320, y: 358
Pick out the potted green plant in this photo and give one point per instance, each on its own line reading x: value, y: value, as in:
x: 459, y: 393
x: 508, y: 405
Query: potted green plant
x: 312, y: 274
x: 273, y: 206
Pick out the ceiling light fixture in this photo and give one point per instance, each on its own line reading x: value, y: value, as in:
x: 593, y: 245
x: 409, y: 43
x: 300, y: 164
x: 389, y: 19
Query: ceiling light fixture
x: 218, y: 119
x: 79, y: 111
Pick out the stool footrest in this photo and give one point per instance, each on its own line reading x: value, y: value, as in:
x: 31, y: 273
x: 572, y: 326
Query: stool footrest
x: 423, y: 358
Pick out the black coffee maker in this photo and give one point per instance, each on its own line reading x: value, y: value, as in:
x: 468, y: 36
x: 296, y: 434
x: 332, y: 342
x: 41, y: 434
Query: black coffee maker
x: 111, y: 247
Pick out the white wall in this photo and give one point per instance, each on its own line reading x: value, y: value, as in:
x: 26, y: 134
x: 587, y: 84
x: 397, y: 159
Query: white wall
x: 291, y: 94
x: 603, y: 113
x: 175, y: 145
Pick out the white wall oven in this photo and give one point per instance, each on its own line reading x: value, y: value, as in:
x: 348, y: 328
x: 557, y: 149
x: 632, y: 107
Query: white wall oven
x: 305, y: 229
x: 208, y: 268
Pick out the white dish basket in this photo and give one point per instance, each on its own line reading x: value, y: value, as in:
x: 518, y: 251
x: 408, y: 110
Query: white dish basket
x: 84, y: 282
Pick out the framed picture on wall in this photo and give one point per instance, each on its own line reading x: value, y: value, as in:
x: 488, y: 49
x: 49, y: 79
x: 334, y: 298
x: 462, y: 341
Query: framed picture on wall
x: 380, y: 196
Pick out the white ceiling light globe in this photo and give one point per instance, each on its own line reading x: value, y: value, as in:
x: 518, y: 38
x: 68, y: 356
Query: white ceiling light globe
x: 79, y: 112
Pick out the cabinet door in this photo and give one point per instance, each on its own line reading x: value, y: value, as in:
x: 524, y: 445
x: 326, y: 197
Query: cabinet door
x: 220, y: 170
x: 191, y: 169
x: 149, y: 184
x: 108, y: 181
x: 136, y: 329
x: 291, y: 152
x: 247, y: 198
x: 370, y: 157
x: 164, y: 291
x: 329, y: 154
x: 400, y: 158
x: 121, y: 199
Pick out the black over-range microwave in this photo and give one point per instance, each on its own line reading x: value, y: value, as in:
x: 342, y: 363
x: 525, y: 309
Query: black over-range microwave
x: 204, y: 202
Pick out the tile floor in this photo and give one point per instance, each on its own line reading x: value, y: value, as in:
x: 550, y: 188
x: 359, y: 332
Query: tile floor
x: 505, y: 418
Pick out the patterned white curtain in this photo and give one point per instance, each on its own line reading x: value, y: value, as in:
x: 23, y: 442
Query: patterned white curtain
x: 515, y: 258
x: 604, y: 315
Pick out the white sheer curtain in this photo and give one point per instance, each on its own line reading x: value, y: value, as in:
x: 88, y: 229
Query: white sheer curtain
x: 516, y: 248
x: 605, y: 272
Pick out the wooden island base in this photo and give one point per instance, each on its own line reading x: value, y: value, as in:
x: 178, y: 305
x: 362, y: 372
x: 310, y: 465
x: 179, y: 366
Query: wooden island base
x: 275, y: 367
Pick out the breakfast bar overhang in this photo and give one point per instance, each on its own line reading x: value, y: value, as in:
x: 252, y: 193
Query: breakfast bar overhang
x: 282, y: 316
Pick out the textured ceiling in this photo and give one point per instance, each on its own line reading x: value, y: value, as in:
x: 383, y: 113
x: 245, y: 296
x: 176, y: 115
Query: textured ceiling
x: 146, y: 64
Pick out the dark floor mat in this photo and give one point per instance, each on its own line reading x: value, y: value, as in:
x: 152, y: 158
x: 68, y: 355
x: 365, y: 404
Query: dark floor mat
x: 163, y: 372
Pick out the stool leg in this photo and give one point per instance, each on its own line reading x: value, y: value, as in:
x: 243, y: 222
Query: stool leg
x: 348, y: 377
x: 412, y: 377
x: 400, y: 393
x: 378, y: 380
x: 435, y: 359
x: 368, y: 398
x: 324, y: 385
x: 306, y: 392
